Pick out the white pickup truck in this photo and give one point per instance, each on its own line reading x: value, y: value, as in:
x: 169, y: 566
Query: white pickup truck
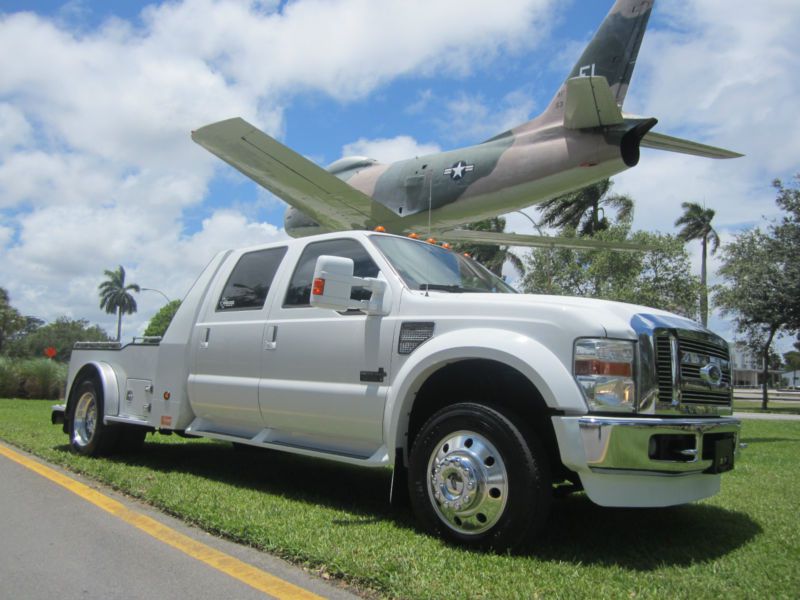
x: 378, y: 350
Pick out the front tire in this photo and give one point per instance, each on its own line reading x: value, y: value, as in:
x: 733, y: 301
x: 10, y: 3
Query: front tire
x: 478, y: 479
x: 88, y: 435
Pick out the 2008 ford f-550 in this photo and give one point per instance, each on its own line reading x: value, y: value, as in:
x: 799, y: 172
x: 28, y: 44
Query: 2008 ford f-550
x: 378, y: 350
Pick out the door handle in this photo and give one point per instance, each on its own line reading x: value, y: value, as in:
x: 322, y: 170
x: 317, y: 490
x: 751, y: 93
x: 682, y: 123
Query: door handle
x: 270, y: 339
x: 206, y: 336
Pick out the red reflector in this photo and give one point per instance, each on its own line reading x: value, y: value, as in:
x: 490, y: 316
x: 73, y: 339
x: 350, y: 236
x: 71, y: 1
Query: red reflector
x: 602, y: 367
x: 319, y: 287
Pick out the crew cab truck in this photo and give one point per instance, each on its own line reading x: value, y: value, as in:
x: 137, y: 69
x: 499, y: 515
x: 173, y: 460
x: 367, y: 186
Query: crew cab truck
x: 379, y: 350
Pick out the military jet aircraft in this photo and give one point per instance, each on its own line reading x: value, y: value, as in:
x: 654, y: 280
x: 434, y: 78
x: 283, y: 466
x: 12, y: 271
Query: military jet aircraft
x: 582, y: 137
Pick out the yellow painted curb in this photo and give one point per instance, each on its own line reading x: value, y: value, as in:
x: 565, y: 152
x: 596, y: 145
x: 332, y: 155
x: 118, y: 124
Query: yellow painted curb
x: 248, y: 574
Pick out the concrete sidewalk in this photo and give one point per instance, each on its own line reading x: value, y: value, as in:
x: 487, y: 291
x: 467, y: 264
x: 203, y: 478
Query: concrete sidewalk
x: 766, y: 416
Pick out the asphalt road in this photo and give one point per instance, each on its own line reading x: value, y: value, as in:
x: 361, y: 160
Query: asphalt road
x: 55, y: 544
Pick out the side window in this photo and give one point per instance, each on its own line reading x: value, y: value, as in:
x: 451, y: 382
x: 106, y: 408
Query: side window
x: 248, y: 285
x: 299, y: 292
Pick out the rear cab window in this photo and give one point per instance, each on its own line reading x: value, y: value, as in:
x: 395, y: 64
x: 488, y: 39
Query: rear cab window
x: 250, y: 281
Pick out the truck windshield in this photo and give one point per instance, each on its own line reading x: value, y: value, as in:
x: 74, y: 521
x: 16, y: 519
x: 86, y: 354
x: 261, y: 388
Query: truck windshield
x: 426, y: 266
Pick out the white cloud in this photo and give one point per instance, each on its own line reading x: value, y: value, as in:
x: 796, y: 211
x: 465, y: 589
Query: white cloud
x: 5, y: 236
x: 54, y: 178
x: 723, y: 74
x: 389, y: 150
x: 470, y: 119
x: 370, y: 42
x: 14, y: 128
x: 421, y: 103
x: 96, y: 164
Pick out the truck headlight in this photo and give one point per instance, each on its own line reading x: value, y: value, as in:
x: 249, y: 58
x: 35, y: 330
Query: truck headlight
x: 605, y: 371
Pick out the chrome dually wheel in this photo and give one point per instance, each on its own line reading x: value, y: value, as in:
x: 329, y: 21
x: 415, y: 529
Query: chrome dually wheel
x: 468, y: 482
x: 85, y: 419
x: 478, y: 477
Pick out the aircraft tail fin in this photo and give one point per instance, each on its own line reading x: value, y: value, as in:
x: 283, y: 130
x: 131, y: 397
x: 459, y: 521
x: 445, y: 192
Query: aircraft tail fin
x: 613, y: 50
x: 611, y: 55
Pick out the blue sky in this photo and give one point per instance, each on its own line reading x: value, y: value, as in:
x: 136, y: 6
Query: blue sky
x: 97, y: 100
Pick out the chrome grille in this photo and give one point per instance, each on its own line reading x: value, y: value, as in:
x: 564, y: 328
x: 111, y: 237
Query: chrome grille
x: 695, y: 389
x: 695, y: 351
x: 664, y: 368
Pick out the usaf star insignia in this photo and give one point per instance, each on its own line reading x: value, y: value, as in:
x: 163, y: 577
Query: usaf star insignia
x: 457, y: 171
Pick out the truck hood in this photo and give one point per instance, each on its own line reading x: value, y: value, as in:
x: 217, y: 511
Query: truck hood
x: 583, y: 315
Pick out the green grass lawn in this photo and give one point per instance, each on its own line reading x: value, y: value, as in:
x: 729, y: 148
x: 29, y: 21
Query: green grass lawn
x: 774, y: 406
x: 745, y: 542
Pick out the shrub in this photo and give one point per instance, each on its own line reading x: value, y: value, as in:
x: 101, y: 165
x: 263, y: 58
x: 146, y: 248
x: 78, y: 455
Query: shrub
x: 161, y: 320
x: 9, y: 378
x: 32, y: 378
x: 60, y: 334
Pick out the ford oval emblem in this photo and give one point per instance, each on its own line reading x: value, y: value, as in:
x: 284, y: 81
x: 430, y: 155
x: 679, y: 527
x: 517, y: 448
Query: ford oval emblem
x: 712, y: 375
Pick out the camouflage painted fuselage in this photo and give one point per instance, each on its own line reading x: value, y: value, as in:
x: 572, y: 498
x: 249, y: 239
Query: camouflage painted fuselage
x: 508, y: 173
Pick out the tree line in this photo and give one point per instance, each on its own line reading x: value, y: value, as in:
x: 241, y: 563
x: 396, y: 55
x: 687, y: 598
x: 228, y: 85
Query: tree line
x: 31, y: 337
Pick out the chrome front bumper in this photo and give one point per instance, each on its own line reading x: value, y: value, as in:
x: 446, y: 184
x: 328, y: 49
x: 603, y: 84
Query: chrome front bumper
x: 658, y: 446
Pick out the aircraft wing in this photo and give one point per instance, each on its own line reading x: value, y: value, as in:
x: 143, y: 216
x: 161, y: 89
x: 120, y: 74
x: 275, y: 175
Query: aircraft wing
x: 542, y: 241
x: 659, y: 141
x: 299, y: 182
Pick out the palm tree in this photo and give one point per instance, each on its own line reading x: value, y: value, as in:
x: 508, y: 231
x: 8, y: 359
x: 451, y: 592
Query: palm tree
x: 115, y: 296
x: 581, y: 210
x: 696, y: 222
x: 491, y: 257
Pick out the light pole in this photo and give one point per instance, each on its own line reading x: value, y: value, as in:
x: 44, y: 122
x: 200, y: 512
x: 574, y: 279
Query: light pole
x: 534, y: 223
x: 144, y: 289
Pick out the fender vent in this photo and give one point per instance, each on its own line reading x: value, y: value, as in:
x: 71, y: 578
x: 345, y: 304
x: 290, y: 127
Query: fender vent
x: 413, y: 335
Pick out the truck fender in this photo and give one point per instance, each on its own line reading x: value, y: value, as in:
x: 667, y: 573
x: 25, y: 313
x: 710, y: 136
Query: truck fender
x: 107, y: 377
x: 528, y: 356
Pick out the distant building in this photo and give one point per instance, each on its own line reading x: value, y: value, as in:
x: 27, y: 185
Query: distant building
x: 746, y: 368
x: 791, y: 379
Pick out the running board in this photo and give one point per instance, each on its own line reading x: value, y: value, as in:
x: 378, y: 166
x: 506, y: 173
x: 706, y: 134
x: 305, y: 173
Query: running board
x: 266, y: 438
x: 128, y: 421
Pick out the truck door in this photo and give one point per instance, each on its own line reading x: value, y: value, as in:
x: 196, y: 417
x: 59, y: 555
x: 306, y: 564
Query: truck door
x: 223, y: 385
x: 322, y: 384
